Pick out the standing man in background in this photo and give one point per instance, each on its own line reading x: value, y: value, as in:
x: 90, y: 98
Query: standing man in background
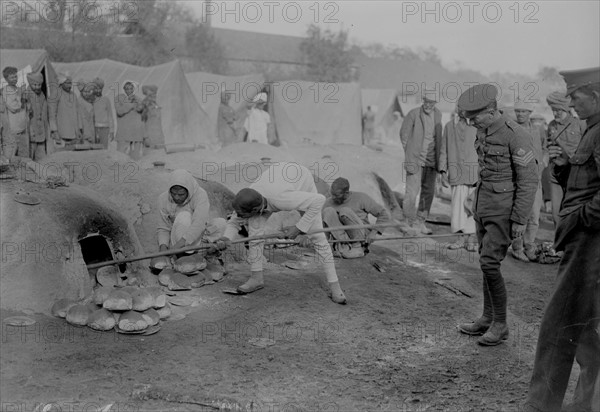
x: 104, y: 120
x: 565, y: 131
x: 258, y: 121
x: 421, y: 137
x: 37, y: 111
x: 65, y: 120
x: 524, y: 248
x: 460, y: 171
x: 368, y: 123
x: 13, y: 117
x: 226, y: 122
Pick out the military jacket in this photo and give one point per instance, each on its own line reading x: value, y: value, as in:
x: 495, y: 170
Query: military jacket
x: 566, y: 134
x: 581, y: 179
x: 508, y: 171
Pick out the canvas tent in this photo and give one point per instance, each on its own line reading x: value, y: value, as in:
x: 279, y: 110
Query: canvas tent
x: 207, y: 89
x: 323, y: 113
x: 27, y: 61
x: 183, y: 120
x: 384, y: 102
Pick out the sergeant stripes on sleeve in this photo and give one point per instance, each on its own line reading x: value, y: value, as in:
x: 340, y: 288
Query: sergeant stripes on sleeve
x: 523, y: 158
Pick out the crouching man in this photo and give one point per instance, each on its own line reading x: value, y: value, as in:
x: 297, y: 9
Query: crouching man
x: 184, y: 212
x: 282, y: 187
x: 346, y: 208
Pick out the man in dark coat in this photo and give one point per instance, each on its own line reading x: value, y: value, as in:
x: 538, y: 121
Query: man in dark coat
x: 421, y: 137
x: 570, y: 326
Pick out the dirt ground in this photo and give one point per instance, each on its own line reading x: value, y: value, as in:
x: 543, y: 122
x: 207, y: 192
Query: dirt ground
x: 393, y: 347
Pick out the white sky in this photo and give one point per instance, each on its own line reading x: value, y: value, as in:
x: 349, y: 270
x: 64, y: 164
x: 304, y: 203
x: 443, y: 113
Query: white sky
x: 488, y: 36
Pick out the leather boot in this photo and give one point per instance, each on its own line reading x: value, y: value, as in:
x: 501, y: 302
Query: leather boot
x: 477, y: 328
x: 481, y: 325
x: 495, y: 335
x: 498, y: 331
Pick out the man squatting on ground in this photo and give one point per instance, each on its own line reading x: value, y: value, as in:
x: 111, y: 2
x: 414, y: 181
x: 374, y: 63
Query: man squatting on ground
x: 282, y: 187
x: 570, y: 327
x: 184, y: 212
x: 508, y: 180
x: 345, y: 208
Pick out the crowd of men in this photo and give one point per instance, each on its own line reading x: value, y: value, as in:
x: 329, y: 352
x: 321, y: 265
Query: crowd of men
x: 494, y: 166
x: 34, y: 122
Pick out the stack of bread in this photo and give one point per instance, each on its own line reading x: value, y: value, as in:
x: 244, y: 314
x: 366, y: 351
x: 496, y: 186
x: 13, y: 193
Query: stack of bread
x: 128, y: 309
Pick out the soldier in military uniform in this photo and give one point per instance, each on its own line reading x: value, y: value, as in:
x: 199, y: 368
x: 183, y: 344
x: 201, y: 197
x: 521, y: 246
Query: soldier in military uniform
x: 524, y: 248
x: 570, y: 325
x: 564, y: 131
x: 508, y: 180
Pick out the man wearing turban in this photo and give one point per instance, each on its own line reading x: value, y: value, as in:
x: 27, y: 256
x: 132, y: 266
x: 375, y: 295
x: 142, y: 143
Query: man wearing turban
x: 258, y: 120
x: 65, y: 118
x: 565, y: 131
x: 86, y: 110
x: 13, y: 117
x: 104, y: 120
x: 37, y: 110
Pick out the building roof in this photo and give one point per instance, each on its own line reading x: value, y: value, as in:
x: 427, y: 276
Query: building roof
x: 259, y: 47
x: 411, y: 77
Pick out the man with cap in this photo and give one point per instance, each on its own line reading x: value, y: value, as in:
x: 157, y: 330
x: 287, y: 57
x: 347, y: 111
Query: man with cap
x: 508, y: 180
x: 104, y: 120
x: 37, y: 109
x: 258, y: 120
x: 524, y: 248
x: 570, y: 327
x: 65, y: 119
x: 282, y: 187
x: 13, y: 117
x: 347, y: 208
x: 421, y: 137
x: 565, y: 131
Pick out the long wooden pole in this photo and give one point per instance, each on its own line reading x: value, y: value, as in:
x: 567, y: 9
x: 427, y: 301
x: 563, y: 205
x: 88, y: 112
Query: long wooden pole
x: 242, y: 240
x: 377, y: 239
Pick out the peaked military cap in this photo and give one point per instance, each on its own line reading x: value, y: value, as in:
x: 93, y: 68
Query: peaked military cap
x: 579, y: 78
x: 477, y: 98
